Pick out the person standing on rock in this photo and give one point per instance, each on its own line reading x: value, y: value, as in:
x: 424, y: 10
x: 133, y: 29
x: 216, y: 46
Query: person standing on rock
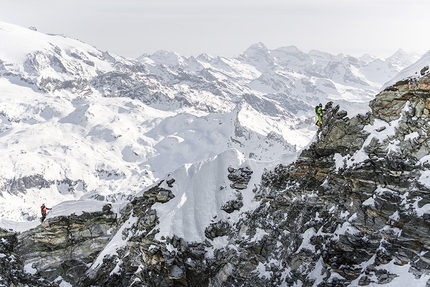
x: 44, y: 210
x: 319, y: 112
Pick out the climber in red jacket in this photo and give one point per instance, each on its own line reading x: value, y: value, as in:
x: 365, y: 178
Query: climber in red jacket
x: 43, y: 210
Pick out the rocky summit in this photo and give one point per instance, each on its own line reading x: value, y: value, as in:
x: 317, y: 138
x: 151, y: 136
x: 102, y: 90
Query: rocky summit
x: 352, y: 210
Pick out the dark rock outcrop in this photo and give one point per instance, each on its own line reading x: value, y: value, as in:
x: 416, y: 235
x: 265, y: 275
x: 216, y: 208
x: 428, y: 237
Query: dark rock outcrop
x: 12, y: 272
x: 65, y: 245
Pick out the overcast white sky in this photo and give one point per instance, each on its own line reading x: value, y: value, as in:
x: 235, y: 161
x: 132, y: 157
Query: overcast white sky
x: 228, y: 27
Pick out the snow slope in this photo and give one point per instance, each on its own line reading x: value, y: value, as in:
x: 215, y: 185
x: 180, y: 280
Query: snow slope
x: 97, y: 147
x: 20, y: 47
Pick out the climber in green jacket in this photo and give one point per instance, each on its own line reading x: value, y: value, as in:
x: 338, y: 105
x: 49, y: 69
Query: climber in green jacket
x: 319, y: 112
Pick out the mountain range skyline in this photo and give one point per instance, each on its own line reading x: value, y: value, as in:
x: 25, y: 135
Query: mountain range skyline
x: 226, y: 28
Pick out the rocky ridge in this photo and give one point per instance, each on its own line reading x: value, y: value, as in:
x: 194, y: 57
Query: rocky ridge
x: 352, y: 210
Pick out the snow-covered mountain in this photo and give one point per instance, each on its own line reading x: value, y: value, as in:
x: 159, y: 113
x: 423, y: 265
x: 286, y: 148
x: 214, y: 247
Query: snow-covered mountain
x: 190, y: 153
x: 79, y: 123
x: 351, y: 210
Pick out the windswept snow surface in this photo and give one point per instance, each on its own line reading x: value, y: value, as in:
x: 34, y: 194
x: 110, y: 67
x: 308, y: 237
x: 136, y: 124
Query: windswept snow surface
x: 108, y: 147
x: 201, y: 189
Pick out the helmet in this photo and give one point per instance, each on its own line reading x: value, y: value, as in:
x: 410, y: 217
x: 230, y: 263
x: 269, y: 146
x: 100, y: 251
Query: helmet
x: 43, y: 204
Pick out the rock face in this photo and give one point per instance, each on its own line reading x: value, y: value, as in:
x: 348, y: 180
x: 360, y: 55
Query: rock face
x: 352, y: 210
x: 63, y: 246
x: 354, y: 203
x: 12, y: 272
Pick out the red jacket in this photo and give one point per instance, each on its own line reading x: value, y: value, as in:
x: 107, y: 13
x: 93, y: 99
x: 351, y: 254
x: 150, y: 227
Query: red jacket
x: 43, y: 209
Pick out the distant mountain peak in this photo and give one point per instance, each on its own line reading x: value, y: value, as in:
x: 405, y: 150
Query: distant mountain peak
x: 163, y: 53
x: 400, y: 51
x: 204, y: 57
x: 258, y: 46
